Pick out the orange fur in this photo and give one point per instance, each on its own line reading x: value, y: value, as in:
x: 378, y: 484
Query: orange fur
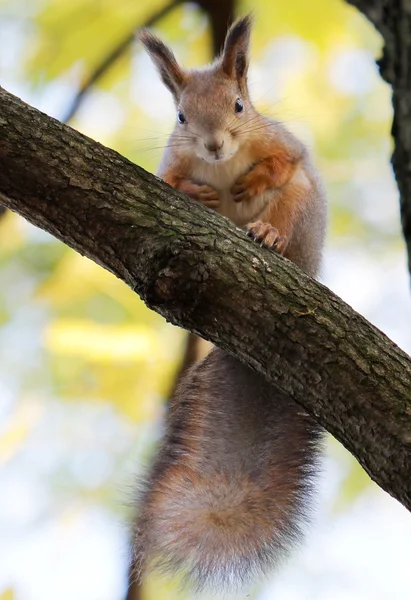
x: 270, y: 178
x: 270, y: 172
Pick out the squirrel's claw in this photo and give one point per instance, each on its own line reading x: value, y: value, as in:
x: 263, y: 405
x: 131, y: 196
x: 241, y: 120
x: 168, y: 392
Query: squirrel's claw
x: 239, y: 191
x: 202, y: 193
x: 208, y: 196
x: 268, y: 236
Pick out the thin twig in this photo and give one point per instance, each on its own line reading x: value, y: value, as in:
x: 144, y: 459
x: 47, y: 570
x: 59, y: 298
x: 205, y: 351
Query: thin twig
x: 112, y: 57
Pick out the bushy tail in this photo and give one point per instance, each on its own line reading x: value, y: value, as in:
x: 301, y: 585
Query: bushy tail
x: 229, y: 493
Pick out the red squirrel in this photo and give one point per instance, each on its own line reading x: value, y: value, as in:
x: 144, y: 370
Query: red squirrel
x: 230, y: 490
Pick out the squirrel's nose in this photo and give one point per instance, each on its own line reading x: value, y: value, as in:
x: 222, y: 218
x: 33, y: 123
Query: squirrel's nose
x: 214, y: 145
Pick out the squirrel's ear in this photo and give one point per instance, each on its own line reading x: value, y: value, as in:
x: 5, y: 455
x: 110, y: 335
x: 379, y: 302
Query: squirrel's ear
x: 234, y: 62
x: 171, y: 73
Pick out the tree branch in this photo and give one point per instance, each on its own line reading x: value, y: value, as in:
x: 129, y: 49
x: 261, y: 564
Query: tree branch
x: 393, y: 21
x: 221, y: 15
x: 114, y: 54
x: 201, y: 272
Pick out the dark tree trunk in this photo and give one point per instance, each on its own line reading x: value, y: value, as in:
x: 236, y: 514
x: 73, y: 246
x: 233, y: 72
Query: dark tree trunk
x: 392, y: 18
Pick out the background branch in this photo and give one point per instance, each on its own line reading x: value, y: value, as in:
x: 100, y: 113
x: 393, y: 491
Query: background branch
x: 219, y: 13
x: 191, y: 265
x: 111, y: 58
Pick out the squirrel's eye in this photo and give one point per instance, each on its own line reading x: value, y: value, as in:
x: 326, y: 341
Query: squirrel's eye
x: 238, y: 106
x: 181, y: 118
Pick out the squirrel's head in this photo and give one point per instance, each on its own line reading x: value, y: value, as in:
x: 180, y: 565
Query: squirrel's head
x: 213, y: 104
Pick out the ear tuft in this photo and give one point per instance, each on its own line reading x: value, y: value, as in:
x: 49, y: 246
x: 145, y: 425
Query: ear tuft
x: 171, y: 73
x: 235, y: 54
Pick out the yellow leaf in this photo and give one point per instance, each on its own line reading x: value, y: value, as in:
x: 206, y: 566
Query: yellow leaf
x: 77, y: 279
x: 11, y: 235
x: 17, y: 428
x: 101, y: 343
x: 82, y: 32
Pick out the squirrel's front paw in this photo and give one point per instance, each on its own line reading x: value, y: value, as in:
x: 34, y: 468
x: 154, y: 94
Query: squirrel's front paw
x: 250, y: 185
x: 268, y: 236
x: 202, y: 193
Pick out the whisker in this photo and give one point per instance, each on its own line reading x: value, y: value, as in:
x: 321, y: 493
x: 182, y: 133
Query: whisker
x: 192, y: 135
x: 241, y: 126
x: 156, y: 132
x: 258, y: 127
x: 275, y: 102
x: 164, y: 146
x: 147, y: 139
x: 244, y: 123
x: 196, y: 134
x: 252, y: 129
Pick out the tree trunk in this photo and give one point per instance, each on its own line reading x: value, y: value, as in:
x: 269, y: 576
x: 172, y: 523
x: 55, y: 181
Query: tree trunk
x: 392, y: 18
x: 201, y: 272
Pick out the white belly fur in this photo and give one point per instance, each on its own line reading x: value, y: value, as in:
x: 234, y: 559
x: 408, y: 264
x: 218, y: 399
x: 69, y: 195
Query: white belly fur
x: 222, y: 176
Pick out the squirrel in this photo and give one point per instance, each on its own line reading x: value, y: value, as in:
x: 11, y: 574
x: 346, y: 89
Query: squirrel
x: 230, y: 491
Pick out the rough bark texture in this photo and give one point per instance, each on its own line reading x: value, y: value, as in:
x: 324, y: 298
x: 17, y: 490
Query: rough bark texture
x: 201, y: 272
x: 392, y: 18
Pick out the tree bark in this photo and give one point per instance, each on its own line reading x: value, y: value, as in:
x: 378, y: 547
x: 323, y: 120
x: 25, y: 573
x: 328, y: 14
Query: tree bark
x: 201, y: 272
x: 392, y: 18
x: 221, y: 15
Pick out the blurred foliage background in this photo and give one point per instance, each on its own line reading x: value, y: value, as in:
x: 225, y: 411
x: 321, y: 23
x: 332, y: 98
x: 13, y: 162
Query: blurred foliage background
x: 85, y: 367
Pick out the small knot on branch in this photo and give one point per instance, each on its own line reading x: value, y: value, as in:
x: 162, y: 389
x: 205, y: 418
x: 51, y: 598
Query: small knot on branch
x: 181, y: 281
